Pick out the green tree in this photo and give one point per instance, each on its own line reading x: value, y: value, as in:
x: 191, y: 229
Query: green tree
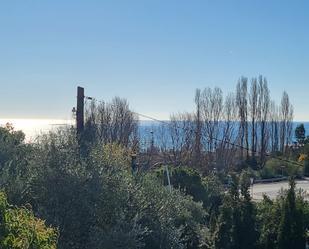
x: 10, y: 143
x: 248, y: 215
x: 236, y: 226
x: 269, y: 212
x: 221, y: 237
x: 300, y: 133
x: 291, y: 232
x: 14, y: 163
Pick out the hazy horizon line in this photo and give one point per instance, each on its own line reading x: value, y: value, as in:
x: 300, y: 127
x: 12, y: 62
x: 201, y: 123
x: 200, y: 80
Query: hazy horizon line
x: 63, y: 119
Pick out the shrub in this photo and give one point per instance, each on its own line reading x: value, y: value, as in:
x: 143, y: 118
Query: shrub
x: 19, y: 229
x: 277, y: 168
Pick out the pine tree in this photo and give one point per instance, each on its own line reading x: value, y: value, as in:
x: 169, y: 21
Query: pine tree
x: 300, y: 133
x: 291, y: 232
x: 248, y: 218
x: 236, y: 228
x: 222, y: 233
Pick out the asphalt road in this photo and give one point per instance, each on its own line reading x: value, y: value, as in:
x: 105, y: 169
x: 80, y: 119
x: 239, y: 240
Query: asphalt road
x: 272, y: 189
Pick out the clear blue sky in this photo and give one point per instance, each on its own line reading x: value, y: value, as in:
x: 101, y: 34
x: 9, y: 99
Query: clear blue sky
x: 154, y: 53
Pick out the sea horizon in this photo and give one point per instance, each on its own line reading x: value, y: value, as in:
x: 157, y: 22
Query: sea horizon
x: 33, y: 127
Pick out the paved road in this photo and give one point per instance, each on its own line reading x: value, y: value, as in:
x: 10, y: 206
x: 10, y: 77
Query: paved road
x: 272, y: 189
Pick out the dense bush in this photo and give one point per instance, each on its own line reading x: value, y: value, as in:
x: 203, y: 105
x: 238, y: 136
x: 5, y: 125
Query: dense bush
x: 19, y: 229
x: 278, y: 168
x: 207, y: 190
x: 14, y: 163
x: 97, y: 203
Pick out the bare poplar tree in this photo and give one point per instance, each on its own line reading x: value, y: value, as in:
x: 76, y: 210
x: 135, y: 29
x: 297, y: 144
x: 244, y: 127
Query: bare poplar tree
x: 212, y: 113
x: 226, y: 152
x: 253, y: 112
x: 274, y: 126
x: 286, y: 119
x: 198, y: 129
x: 242, y: 105
x: 181, y: 130
x: 263, y: 112
x: 290, y: 125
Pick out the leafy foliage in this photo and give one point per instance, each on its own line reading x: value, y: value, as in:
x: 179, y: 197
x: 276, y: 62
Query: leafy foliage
x: 282, y: 222
x: 291, y: 232
x: 300, y: 133
x: 278, y: 168
x: 236, y: 218
x: 207, y: 190
x: 97, y: 203
x: 19, y: 229
x: 14, y: 157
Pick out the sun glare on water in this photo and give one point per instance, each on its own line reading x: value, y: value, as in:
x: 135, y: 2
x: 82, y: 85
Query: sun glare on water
x: 35, y: 127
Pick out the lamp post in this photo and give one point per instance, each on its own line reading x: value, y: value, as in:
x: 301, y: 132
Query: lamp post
x: 282, y: 167
x: 251, y: 181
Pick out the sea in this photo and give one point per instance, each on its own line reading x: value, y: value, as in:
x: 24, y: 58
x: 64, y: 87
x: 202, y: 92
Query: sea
x: 35, y: 127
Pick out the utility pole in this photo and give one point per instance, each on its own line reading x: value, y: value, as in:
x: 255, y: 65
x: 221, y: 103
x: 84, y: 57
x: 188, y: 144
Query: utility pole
x: 80, y: 110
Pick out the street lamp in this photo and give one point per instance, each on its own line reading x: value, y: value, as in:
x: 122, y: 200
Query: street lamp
x: 251, y: 181
x: 282, y: 167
